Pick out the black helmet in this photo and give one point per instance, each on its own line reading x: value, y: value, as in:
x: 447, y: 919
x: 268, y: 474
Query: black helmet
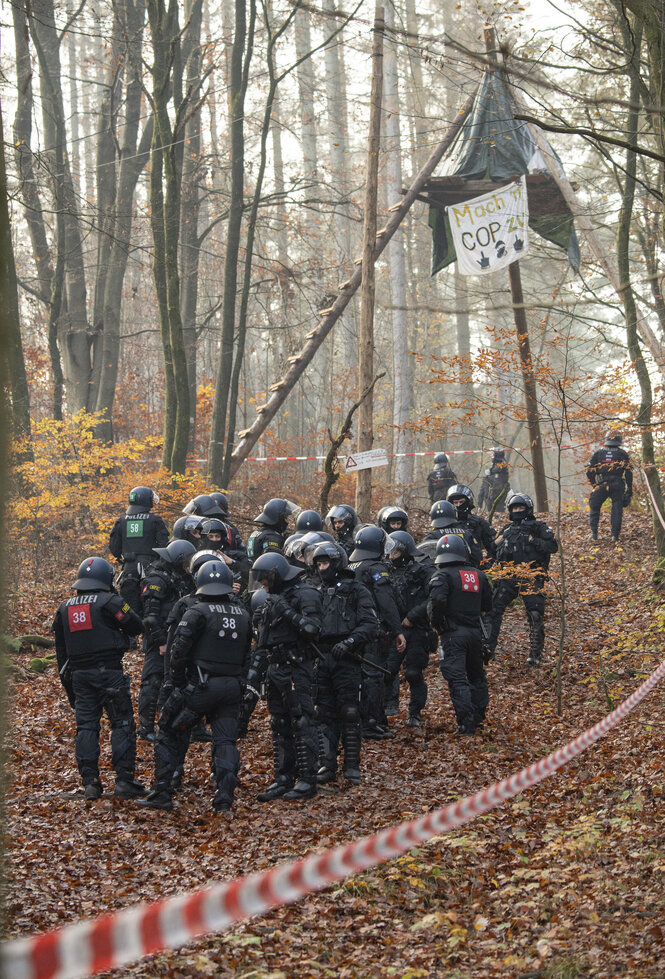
x: 451, y: 549
x: 459, y: 489
x: 94, y: 574
x: 185, y: 529
x: 369, y: 542
x: 345, y: 512
x: 387, y: 514
x: 216, y: 526
x: 304, y: 549
x: 143, y: 497
x: 613, y: 439
x: 214, y: 578
x: 200, y: 558
x: 258, y: 599
x: 203, y: 506
x: 276, y: 513
x: 441, y: 459
x: 498, y: 453
x: 334, y: 554
x: 290, y: 546
x: 404, y: 544
x: 442, y: 514
x: 177, y: 552
x: 309, y: 520
x: 275, y: 569
x: 221, y: 500
x: 178, y: 532
x: 520, y: 499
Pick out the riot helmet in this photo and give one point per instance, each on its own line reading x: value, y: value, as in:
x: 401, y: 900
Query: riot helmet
x: 464, y: 497
x: 258, y: 599
x: 178, y: 532
x: 613, y: 440
x: 442, y: 514
x: 498, y: 454
x: 342, y: 518
x: 369, y: 543
x: 203, y: 506
x: 216, y: 532
x: 177, y: 553
x: 393, y: 515
x: 214, y: 578
x: 94, y: 574
x: 441, y: 459
x: 451, y: 549
x: 309, y: 520
x: 308, y: 543
x: 333, y: 556
x: 520, y: 500
x: 199, y: 559
x: 274, y: 570
x: 276, y: 513
x: 143, y: 497
x: 404, y: 548
x: 290, y: 545
x: 222, y: 502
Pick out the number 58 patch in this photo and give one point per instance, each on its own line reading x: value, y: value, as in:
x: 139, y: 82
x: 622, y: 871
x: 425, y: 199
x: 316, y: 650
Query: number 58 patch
x: 79, y: 618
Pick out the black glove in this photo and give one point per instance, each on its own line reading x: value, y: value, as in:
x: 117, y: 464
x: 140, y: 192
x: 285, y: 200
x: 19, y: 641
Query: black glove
x: 627, y: 497
x: 343, y: 648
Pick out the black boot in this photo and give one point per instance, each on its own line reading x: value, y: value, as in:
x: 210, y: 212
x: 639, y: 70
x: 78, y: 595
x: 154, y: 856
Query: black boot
x: 305, y: 787
x: 351, y: 744
x: 276, y: 789
x: 327, y: 755
x: 159, y: 798
x: 536, y: 643
x: 283, y: 782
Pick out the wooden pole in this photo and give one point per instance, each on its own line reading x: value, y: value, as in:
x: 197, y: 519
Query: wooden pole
x: 297, y: 364
x: 368, y: 286
x: 530, y: 394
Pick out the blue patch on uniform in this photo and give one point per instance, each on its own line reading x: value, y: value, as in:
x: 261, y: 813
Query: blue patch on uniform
x: 378, y: 575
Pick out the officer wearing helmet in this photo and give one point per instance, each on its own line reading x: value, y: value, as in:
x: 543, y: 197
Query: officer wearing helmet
x: 610, y: 473
x: 309, y: 520
x: 209, y: 658
x: 523, y: 550
x: 272, y: 523
x: 343, y: 521
x: 410, y: 580
x: 390, y: 518
x: 440, y: 479
x: 348, y: 625
x: 166, y: 580
x: 221, y: 499
x: 481, y: 530
x: 92, y: 632
x: 444, y: 520
x: 495, y: 486
x: 189, y: 528
x: 458, y: 594
x: 132, y: 540
x: 290, y: 622
x: 371, y: 545
x: 219, y: 536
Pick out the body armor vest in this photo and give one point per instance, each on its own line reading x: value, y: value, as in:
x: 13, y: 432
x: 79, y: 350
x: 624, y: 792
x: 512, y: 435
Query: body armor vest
x: 340, y: 610
x: 221, y: 650
x: 262, y: 542
x: 464, y: 594
x: 86, y: 627
x: 140, y: 532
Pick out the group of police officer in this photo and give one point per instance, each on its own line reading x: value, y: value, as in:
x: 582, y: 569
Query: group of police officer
x: 319, y: 621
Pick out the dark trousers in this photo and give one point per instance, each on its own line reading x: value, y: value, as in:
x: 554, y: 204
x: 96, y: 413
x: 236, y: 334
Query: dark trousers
x: 504, y: 592
x: 291, y: 706
x: 337, y: 694
x: 614, y: 489
x: 219, y: 702
x: 97, y: 690
x: 373, y: 693
x: 415, y: 659
x: 152, y: 678
x: 461, y: 666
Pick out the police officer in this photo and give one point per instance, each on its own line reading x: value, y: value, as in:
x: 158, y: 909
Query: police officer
x: 610, y: 472
x: 188, y: 528
x: 348, y: 624
x: 496, y: 483
x: 528, y: 543
x: 132, y: 540
x: 236, y: 542
x: 270, y: 534
x: 203, y: 505
x: 290, y: 621
x: 218, y: 536
x: 208, y: 662
x: 483, y: 533
x: 458, y: 594
x: 309, y: 520
x: 166, y: 580
x: 390, y: 518
x: 440, y: 479
x: 343, y: 521
x: 367, y: 562
x: 92, y: 632
x: 444, y: 520
x: 410, y: 580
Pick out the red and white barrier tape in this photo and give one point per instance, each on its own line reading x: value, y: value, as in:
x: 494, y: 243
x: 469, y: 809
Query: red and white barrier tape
x: 120, y: 938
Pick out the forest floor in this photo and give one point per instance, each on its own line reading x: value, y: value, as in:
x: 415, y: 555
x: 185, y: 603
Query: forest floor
x: 564, y: 881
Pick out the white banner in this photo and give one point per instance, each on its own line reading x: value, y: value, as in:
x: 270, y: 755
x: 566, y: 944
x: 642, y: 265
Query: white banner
x: 366, y: 460
x: 491, y: 231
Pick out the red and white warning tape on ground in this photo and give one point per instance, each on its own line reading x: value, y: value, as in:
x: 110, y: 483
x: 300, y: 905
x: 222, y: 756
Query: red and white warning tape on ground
x: 123, y: 937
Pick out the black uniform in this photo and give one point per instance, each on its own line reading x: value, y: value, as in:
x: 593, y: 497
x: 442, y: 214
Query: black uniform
x: 374, y: 575
x: 458, y: 595
x: 265, y: 540
x: 610, y: 472
x: 349, y: 618
x: 92, y: 633
x: 495, y: 484
x: 528, y: 542
x: 439, y: 482
x: 346, y: 538
x: 289, y: 684
x: 410, y: 580
x: 208, y: 663
x: 461, y: 529
x: 163, y: 585
x: 483, y: 534
x: 132, y: 541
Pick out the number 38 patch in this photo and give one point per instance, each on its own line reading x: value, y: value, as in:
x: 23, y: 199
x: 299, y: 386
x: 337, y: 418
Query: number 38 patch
x: 79, y: 618
x: 470, y: 580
